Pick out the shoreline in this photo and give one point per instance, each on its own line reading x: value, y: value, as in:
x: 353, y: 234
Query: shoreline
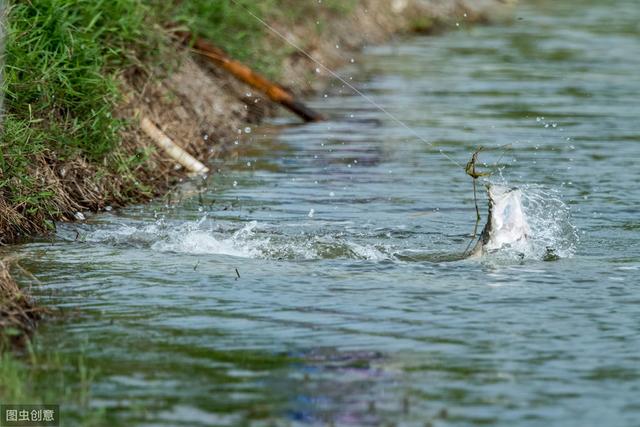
x: 202, y: 109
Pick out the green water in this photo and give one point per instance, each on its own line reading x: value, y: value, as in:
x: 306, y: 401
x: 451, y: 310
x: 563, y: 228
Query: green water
x: 314, y: 280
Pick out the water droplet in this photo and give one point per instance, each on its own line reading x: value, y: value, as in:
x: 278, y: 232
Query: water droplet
x: 332, y: 194
x: 247, y: 130
x: 311, y: 212
x: 235, y: 183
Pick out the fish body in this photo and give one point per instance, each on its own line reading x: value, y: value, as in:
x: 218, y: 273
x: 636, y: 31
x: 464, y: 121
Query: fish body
x: 507, y: 225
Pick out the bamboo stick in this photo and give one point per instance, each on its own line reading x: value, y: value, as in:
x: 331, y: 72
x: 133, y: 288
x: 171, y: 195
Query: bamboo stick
x: 246, y: 75
x: 171, y: 148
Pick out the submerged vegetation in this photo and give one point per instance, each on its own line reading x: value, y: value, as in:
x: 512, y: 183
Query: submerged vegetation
x: 42, y: 377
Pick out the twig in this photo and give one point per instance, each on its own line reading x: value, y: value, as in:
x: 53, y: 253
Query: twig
x: 240, y: 71
x: 171, y: 148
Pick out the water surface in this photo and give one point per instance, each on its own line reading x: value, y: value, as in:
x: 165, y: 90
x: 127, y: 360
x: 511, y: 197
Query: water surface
x: 314, y: 279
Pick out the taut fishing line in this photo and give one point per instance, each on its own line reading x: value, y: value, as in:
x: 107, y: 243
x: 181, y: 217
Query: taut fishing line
x: 346, y: 83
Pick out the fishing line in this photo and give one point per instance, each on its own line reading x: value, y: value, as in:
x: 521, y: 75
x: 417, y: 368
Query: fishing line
x: 346, y: 83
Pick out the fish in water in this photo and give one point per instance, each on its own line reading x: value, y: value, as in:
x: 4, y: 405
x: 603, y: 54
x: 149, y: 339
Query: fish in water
x: 507, y: 225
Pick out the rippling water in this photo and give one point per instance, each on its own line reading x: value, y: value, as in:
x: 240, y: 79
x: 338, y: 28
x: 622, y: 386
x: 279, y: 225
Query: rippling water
x: 317, y: 280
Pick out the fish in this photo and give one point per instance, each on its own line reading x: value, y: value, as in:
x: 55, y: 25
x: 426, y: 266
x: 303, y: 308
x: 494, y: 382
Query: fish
x: 507, y: 225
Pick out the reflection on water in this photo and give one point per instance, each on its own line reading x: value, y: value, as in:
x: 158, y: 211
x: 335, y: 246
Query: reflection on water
x: 317, y: 280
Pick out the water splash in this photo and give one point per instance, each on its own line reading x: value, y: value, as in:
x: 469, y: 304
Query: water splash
x: 251, y: 240
x: 551, y: 236
x: 552, y: 233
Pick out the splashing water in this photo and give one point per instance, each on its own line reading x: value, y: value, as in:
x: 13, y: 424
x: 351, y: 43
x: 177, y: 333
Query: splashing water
x: 252, y: 240
x: 552, y: 233
x: 551, y: 236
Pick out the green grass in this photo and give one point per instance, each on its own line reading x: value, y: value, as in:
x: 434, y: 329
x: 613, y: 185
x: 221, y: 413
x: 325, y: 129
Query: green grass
x: 62, y: 58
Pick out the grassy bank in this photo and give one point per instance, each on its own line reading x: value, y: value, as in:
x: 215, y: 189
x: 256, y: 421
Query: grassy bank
x: 65, y: 60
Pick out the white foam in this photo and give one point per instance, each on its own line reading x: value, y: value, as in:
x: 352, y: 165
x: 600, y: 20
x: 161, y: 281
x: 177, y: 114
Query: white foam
x: 193, y: 237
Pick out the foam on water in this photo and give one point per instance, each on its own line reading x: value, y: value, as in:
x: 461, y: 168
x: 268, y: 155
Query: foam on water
x: 251, y: 240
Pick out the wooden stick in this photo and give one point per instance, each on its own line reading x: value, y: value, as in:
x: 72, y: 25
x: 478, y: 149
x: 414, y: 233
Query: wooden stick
x: 171, y: 148
x: 246, y: 75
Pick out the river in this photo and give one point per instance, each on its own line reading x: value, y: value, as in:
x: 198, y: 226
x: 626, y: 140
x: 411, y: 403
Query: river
x: 316, y: 278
